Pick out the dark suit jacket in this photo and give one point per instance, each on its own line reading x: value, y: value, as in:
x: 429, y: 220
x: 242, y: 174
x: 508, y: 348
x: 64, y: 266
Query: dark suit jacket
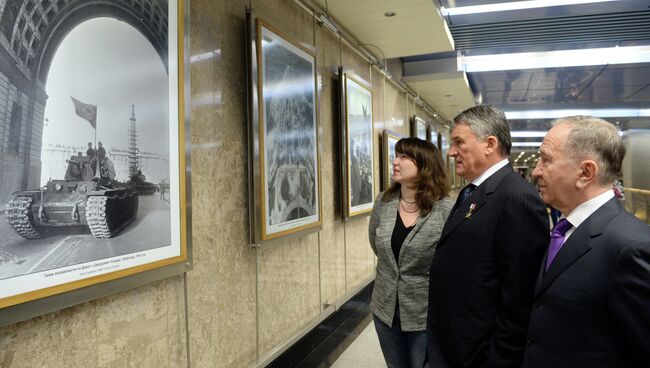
x: 592, y: 306
x: 483, y: 274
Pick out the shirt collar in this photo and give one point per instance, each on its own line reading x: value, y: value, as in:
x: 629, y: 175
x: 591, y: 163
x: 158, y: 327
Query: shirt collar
x: 585, y: 209
x: 487, y: 173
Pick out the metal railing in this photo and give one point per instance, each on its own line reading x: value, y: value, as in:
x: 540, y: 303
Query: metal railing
x: 637, y: 202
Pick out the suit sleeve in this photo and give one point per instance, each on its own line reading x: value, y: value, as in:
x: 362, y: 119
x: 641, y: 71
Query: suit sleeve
x: 522, y: 237
x: 629, y: 298
x: 374, y: 223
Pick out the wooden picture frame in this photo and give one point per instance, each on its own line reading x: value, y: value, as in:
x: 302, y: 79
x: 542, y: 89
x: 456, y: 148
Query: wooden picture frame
x: 96, y: 230
x: 357, y: 145
x: 420, y: 128
x: 389, y: 140
x: 285, y: 182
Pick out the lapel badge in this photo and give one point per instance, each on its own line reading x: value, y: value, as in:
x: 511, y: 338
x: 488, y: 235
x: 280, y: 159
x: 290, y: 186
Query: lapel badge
x: 469, y: 213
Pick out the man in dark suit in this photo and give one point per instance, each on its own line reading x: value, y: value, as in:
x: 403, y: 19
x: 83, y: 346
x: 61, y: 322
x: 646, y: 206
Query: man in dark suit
x: 483, y: 274
x: 592, y: 298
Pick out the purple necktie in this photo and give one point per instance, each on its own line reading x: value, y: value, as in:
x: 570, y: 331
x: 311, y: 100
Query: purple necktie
x: 557, y: 238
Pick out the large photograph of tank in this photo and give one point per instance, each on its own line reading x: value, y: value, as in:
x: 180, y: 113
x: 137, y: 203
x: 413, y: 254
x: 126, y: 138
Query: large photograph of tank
x: 358, y: 105
x: 290, y: 139
x: 84, y: 132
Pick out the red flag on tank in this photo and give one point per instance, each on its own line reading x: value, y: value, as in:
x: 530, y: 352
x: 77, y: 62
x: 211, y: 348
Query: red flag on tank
x: 86, y: 111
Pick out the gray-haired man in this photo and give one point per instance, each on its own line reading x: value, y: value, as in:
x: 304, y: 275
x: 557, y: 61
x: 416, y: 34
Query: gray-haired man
x: 592, y: 298
x: 483, y: 273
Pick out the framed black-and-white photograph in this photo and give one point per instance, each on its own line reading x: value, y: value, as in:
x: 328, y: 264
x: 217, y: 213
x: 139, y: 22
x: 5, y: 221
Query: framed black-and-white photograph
x: 419, y: 128
x: 285, y: 187
x: 93, y: 145
x: 388, y: 156
x: 443, y: 144
x: 453, y: 178
x: 432, y: 135
x: 357, y: 134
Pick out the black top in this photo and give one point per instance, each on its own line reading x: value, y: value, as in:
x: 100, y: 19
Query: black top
x: 400, y: 232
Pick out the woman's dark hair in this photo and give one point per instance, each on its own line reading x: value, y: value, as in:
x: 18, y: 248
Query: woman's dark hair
x: 432, y: 183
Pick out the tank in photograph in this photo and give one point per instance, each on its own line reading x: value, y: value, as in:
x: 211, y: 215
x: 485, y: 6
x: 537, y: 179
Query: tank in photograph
x: 87, y: 196
x: 141, y: 185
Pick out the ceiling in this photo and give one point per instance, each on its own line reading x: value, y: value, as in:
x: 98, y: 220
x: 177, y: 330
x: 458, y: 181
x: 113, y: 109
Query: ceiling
x: 428, y: 51
x: 417, y: 28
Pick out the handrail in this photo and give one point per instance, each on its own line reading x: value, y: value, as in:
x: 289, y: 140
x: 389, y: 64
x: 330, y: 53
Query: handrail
x: 637, y: 202
x: 635, y: 190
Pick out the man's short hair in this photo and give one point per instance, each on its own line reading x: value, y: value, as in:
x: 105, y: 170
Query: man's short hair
x: 487, y: 120
x: 594, y: 139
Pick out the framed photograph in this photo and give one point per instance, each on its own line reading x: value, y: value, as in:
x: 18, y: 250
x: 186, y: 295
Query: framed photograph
x: 285, y: 188
x: 357, y: 134
x: 388, y: 156
x: 432, y: 135
x: 419, y: 128
x: 93, y: 179
x: 443, y: 143
x: 452, y: 173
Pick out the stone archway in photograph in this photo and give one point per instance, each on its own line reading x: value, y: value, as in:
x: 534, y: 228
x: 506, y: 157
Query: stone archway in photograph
x: 30, y: 33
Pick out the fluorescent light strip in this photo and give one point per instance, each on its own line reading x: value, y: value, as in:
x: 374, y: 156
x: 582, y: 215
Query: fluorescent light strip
x: 555, y: 59
x: 515, y: 5
x: 600, y: 113
x: 526, y: 144
x: 527, y: 134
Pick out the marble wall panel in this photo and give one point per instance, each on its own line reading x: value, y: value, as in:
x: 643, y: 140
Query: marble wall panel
x: 288, y: 290
x: 136, y: 327
x: 359, y: 258
x: 332, y: 240
x: 353, y: 62
x: 410, y: 109
x: 395, y: 117
x: 378, y: 116
x: 28, y: 344
x: 131, y: 324
x: 221, y: 288
x: 176, y: 349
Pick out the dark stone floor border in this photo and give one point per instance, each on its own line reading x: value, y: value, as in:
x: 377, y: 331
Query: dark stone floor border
x: 327, y: 341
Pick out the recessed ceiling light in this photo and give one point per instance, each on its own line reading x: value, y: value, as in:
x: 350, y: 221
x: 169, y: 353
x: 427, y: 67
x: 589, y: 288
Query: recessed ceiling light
x: 390, y: 13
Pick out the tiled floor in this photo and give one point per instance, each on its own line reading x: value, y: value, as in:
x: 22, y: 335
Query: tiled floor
x: 364, y: 352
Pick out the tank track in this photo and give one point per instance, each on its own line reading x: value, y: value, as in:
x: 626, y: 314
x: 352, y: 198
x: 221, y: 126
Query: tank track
x: 20, y: 218
x: 107, y: 216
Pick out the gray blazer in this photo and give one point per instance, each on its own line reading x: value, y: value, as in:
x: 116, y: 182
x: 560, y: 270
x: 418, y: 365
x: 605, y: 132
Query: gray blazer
x: 410, y: 279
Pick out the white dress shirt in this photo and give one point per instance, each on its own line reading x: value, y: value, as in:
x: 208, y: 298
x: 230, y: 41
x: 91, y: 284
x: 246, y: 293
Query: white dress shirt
x: 494, y: 168
x: 584, y: 210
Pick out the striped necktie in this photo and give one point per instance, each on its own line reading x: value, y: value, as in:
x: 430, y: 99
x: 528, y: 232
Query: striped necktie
x: 466, y: 192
